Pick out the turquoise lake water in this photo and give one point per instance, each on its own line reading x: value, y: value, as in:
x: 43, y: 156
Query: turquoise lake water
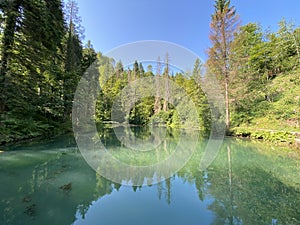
x: 49, y: 182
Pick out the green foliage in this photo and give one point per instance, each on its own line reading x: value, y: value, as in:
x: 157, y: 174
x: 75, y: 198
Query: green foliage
x: 280, y: 110
x: 14, y: 128
x: 162, y: 118
x: 113, y: 78
x: 265, y: 86
x: 142, y: 111
x: 41, y: 63
x: 266, y: 135
x: 43, y: 59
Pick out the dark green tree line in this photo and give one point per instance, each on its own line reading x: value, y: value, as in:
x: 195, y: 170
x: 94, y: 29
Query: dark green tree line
x: 42, y: 60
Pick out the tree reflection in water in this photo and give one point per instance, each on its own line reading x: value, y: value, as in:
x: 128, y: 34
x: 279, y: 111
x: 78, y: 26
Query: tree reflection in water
x: 246, y: 184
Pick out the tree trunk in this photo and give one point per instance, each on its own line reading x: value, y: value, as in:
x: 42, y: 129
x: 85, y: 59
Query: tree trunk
x: 157, y: 105
x: 166, y: 97
x: 297, y: 47
x: 166, y: 80
x: 227, y: 103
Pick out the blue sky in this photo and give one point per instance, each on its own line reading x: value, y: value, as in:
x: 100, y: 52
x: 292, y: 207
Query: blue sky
x: 110, y: 23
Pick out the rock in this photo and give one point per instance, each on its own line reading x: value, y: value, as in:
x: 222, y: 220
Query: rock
x: 26, y: 199
x: 30, y: 210
x: 66, y: 187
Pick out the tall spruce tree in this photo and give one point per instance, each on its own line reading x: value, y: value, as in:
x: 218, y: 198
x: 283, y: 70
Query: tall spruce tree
x: 11, y: 14
x: 224, y: 23
x: 31, y: 37
x: 73, y: 55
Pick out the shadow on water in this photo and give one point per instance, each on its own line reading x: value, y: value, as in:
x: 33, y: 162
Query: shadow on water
x: 50, y: 183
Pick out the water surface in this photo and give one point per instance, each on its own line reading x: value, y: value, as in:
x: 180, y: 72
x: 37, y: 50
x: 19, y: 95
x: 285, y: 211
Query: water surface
x: 48, y: 182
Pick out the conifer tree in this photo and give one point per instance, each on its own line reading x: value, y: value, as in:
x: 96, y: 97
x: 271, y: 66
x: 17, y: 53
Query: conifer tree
x: 224, y: 23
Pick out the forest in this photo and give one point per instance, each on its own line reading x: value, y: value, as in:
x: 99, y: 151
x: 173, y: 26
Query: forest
x: 43, y: 58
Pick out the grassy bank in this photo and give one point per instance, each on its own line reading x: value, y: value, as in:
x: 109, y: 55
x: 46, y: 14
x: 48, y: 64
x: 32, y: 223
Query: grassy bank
x: 277, y: 137
x: 273, y: 114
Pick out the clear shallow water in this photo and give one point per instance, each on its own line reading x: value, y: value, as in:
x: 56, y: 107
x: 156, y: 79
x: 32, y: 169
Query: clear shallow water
x: 50, y: 183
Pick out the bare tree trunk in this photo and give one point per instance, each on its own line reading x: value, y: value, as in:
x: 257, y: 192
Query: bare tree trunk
x: 166, y: 98
x: 225, y: 72
x: 157, y: 106
x: 227, y: 103
x: 129, y: 76
x: 297, y: 47
x: 166, y: 79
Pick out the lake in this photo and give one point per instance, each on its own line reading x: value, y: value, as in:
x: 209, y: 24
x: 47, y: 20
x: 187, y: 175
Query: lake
x: 49, y: 182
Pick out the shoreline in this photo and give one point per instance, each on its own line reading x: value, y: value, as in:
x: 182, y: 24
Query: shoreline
x: 289, y: 139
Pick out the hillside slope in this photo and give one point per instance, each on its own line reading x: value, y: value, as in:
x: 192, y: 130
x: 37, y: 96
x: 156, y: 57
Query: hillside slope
x: 275, y: 109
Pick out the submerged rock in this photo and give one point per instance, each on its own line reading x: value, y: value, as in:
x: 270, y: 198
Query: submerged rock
x: 26, y: 199
x: 66, y: 187
x: 30, y: 210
